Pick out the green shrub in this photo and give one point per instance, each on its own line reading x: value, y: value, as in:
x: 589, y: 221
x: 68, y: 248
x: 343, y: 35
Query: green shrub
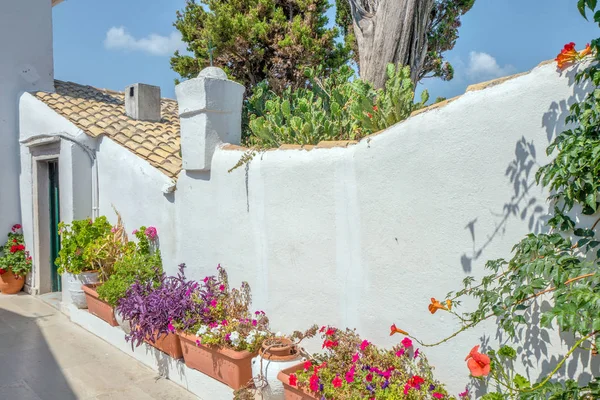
x: 142, y: 263
x: 75, y: 239
x: 334, y: 108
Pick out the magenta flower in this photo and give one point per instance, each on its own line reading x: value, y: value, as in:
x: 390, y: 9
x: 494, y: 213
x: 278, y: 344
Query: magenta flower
x: 400, y: 353
x: 224, y: 322
x: 355, y: 358
x: 406, y: 342
x: 364, y: 345
x: 465, y: 393
x: 170, y: 327
x: 314, y: 382
x: 213, y: 303
x: 438, y: 395
x: 151, y: 233
x: 198, y: 342
x: 254, y: 322
x: 222, y: 287
x: 416, y: 353
x: 337, y: 381
x: 350, y: 375
x: 135, y: 232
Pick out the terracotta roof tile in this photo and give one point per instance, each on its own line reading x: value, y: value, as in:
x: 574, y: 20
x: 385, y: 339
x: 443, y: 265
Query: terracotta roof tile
x: 102, y: 112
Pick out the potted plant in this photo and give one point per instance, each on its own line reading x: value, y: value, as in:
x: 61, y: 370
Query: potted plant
x: 141, y: 262
x: 72, y: 258
x: 151, y: 307
x: 353, y: 368
x: 223, y: 336
x: 15, y: 262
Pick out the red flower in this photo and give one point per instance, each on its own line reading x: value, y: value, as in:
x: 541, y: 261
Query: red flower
x: 375, y: 108
x: 14, y: 248
x: 15, y: 241
x: 307, y: 365
x: 293, y: 380
x: 369, y: 377
x: 322, y: 329
x: 478, y: 364
x: 438, y: 395
x: 369, y: 115
x: 416, y: 381
x: 330, y: 331
x: 2, y: 271
x: 16, y: 227
x: 329, y: 344
x: 337, y: 381
x: 406, y: 342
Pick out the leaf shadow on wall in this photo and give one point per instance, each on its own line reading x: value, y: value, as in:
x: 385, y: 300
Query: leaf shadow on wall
x: 521, y: 174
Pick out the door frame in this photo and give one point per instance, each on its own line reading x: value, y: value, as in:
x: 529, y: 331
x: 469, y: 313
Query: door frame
x: 42, y: 269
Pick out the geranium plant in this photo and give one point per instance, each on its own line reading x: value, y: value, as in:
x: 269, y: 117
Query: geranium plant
x: 152, y: 307
x: 141, y: 261
x: 353, y: 368
x: 223, y: 316
x: 75, y: 239
x: 15, y: 257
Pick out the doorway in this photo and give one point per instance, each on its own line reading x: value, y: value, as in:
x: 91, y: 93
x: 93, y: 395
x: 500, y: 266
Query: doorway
x: 54, y: 217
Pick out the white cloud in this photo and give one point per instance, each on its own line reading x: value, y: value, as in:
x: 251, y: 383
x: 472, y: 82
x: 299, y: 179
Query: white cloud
x: 483, y: 66
x: 117, y: 38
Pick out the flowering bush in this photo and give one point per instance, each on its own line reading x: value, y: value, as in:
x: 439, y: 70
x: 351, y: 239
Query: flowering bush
x: 142, y: 261
x: 152, y: 307
x: 353, y: 368
x: 75, y: 238
x: 15, y: 257
x: 223, y: 315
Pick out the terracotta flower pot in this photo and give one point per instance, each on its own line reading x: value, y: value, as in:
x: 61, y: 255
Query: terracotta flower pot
x: 294, y: 392
x: 99, y: 308
x: 169, y: 344
x: 231, y: 367
x: 10, y: 283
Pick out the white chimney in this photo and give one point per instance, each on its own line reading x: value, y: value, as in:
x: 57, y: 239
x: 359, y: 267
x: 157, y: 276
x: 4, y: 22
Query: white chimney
x: 142, y: 102
x: 210, y: 113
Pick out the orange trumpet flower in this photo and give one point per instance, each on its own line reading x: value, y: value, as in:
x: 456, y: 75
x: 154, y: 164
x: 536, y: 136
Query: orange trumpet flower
x: 436, y: 305
x: 393, y: 330
x: 568, y: 54
x: 478, y: 364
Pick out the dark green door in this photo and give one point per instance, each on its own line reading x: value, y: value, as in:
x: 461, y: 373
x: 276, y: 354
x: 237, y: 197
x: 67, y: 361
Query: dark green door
x: 54, y: 219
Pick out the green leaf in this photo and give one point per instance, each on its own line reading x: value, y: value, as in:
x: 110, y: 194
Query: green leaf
x: 522, y: 382
x: 591, y: 4
x: 581, y: 7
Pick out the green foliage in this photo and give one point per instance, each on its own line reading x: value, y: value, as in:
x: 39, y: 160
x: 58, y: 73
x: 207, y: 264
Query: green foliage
x: 75, y: 239
x: 15, y: 257
x: 256, y: 40
x: 332, y: 108
x: 141, y: 261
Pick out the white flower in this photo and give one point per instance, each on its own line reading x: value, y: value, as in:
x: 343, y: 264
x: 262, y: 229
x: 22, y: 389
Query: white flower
x: 235, y: 338
x: 203, y: 329
x: 215, y: 330
x: 279, y: 334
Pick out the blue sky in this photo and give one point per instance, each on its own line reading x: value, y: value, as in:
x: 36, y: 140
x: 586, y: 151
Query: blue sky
x: 113, y: 43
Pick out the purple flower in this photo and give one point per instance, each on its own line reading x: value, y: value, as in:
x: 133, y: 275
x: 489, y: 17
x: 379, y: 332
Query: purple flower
x: 385, y: 384
x: 431, y: 387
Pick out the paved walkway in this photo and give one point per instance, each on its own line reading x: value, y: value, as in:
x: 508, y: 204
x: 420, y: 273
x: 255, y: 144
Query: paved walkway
x: 43, y: 356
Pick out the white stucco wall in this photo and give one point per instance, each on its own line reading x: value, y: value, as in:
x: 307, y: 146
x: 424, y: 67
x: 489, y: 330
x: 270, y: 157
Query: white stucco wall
x: 26, y: 64
x: 363, y: 236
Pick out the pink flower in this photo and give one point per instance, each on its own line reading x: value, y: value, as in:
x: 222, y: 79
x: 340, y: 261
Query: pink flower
x: 350, y: 375
x: 406, y: 342
x: 198, y: 341
x: 224, y: 322
x: 364, y: 345
x: 314, y: 382
x: 206, y: 278
x: 135, y: 232
x: 337, y: 381
x: 307, y: 365
x: 465, y: 393
x: 228, y: 337
x: 416, y: 353
x: 254, y: 322
x: 113, y: 229
x: 293, y: 380
x: 151, y: 232
x: 170, y: 327
x: 355, y: 357
x: 400, y: 353
x: 222, y: 287
x: 213, y: 303
x: 438, y: 395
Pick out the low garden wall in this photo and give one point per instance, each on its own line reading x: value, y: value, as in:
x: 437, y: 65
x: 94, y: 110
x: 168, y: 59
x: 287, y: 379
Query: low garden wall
x: 364, y: 234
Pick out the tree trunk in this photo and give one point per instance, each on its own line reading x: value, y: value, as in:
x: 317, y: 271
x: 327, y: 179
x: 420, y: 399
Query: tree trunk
x: 390, y: 31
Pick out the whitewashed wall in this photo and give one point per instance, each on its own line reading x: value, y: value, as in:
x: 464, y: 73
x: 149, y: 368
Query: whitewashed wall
x: 26, y: 64
x: 363, y: 236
